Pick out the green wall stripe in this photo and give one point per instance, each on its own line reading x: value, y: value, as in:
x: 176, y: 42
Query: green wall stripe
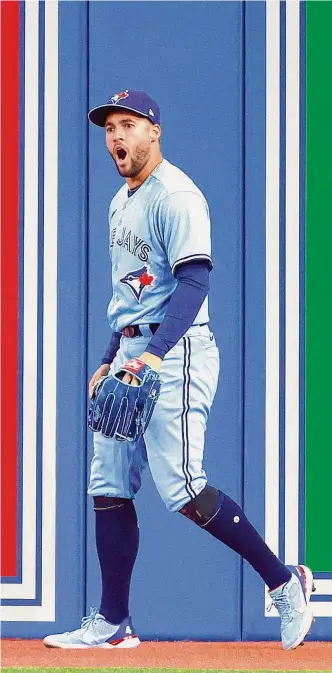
x: 319, y: 287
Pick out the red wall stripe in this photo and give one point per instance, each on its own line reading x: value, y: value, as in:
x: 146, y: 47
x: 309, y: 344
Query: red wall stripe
x: 10, y: 35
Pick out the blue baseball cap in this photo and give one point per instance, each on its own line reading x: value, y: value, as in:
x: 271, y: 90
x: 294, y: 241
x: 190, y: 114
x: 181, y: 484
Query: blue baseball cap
x: 135, y: 101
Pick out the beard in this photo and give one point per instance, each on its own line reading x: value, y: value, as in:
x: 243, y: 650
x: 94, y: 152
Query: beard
x: 133, y: 164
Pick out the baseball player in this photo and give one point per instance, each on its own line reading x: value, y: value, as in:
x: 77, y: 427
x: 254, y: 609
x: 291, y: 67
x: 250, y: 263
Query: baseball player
x: 159, y: 242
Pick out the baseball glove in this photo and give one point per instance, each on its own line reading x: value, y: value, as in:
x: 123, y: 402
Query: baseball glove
x: 121, y: 410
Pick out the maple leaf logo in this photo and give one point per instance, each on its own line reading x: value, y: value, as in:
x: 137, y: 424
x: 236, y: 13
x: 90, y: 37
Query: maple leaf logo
x: 146, y: 279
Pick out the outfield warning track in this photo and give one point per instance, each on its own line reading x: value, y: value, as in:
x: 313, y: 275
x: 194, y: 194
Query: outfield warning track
x: 312, y: 656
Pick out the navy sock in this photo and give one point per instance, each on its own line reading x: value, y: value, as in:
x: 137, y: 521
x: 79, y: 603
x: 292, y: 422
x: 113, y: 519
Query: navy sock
x: 231, y: 526
x: 117, y: 539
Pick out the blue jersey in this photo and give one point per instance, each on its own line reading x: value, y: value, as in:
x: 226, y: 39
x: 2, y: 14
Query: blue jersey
x: 165, y: 223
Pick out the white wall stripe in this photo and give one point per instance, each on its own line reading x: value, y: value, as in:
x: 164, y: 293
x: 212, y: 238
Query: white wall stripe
x: 321, y: 609
x: 323, y: 587
x: 292, y: 335
x: 26, y: 613
x: 46, y: 611
x: 27, y: 589
x: 272, y: 275
x: 50, y: 304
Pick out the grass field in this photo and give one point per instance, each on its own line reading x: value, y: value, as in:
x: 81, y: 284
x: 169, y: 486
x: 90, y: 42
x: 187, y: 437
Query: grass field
x: 141, y: 670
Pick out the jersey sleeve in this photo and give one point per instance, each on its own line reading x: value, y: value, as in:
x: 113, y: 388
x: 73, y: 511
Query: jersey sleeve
x: 185, y: 228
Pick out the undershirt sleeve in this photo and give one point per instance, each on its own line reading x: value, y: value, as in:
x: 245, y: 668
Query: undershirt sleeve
x: 112, y: 349
x: 186, y: 300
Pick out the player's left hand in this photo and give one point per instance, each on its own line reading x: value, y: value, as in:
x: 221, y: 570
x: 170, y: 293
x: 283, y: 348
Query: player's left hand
x: 152, y: 360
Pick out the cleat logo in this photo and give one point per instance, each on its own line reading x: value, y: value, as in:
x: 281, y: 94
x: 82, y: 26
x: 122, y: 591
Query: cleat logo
x: 138, y: 280
x: 128, y: 630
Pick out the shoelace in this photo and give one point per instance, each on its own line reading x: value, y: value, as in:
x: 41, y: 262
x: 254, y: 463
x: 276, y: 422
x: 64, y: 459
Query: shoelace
x: 284, y: 608
x: 86, y: 621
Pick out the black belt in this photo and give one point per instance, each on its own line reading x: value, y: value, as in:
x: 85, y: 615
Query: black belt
x: 134, y: 330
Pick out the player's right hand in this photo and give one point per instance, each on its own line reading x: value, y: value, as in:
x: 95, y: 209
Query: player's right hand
x: 102, y: 371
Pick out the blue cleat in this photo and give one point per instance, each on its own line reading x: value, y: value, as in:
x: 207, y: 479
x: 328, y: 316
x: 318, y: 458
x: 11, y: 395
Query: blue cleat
x: 95, y: 631
x: 292, y: 602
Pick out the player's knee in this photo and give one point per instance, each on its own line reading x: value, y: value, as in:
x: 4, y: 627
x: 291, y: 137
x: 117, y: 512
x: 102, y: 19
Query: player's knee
x: 204, y: 506
x: 104, y: 502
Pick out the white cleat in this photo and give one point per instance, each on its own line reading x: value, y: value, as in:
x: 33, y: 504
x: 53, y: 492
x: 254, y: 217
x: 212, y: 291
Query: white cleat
x: 292, y: 602
x: 95, y: 631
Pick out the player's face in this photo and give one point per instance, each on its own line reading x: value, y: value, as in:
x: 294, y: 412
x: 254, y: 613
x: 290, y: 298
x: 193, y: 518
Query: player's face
x: 129, y: 141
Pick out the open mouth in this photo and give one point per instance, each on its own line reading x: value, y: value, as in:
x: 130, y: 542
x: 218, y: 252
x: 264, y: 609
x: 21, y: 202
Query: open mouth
x: 121, y: 153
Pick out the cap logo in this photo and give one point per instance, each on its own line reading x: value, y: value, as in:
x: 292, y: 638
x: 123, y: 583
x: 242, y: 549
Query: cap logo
x: 151, y: 113
x: 119, y: 96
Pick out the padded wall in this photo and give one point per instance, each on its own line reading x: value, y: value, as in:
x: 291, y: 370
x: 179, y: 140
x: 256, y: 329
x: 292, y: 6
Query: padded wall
x: 232, y: 83
x: 190, y: 60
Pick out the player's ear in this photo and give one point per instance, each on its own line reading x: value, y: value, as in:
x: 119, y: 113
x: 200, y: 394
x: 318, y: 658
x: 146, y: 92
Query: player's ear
x: 155, y: 132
